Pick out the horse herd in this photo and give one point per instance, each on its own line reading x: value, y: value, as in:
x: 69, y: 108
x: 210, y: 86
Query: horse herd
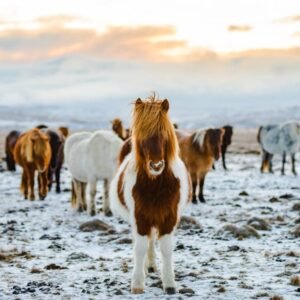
x: 150, y: 172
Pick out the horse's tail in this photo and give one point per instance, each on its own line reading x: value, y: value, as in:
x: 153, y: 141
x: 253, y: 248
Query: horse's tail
x: 73, y: 199
x: 258, y: 134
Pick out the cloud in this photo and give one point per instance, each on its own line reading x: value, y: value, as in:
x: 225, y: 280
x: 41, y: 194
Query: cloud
x: 239, y: 28
x: 57, y: 20
x: 118, y: 42
x: 288, y: 19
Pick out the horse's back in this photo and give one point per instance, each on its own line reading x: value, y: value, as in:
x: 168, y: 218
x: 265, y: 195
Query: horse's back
x: 279, y: 139
x: 102, y: 153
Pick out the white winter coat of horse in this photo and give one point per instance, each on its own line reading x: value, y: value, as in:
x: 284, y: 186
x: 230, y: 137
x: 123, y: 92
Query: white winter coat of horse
x: 91, y: 157
x: 283, y: 139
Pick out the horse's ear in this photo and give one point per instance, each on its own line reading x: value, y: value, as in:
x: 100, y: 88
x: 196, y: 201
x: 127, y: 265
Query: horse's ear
x: 138, y: 101
x: 165, y: 105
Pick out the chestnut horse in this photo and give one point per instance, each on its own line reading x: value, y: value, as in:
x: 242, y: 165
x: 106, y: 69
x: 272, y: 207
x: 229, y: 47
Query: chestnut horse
x: 10, y: 142
x: 199, y: 150
x: 118, y: 128
x: 33, y: 152
x: 150, y: 189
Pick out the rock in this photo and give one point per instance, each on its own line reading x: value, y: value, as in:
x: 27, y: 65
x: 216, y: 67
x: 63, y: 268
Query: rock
x: 50, y: 237
x: 295, y: 280
x: 259, y: 224
x: 296, y: 231
x: 245, y: 231
x: 276, y: 297
x: 286, y: 196
x: 54, y: 267
x: 187, y: 291
x: 243, y: 193
x: 188, y: 222
x: 296, y: 207
x: 96, y: 225
x: 36, y: 270
x: 124, y: 241
x: 234, y: 248
x: 78, y: 256
x: 274, y: 199
x: 221, y: 289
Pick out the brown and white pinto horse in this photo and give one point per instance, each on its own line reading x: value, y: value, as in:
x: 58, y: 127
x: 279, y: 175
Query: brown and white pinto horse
x: 118, y: 128
x: 150, y: 189
x: 32, y: 152
x: 10, y: 142
x: 199, y: 150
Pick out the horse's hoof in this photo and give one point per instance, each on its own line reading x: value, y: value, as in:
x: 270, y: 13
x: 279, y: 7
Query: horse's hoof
x: 58, y: 191
x: 137, y: 291
x: 31, y: 198
x: 108, y: 213
x: 194, y: 201
x: 202, y: 200
x: 92, y: 213
x: 151, y: 270
x: 79, y: 209
x: 42, y: 198
x: 170, y: 290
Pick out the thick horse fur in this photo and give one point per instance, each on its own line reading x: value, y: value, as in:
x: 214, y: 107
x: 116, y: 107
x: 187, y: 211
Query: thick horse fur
x: 118, y: 128
x: 91, y: 157
x: 56, y: 140
x: 151, y: 189
x: 282, y: 139
x: 199, y: 150
x: 10, y: 142
x: 33, y: 153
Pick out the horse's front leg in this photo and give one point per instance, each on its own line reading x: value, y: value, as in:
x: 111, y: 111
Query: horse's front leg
x: 151, y: 264
x: 194, y: 187
x: 24, y: 184
x: 223, y: 159
x: 168, y: 277
x: 283, y: 163
x: 57, y: 179
x: 92, y: 205
x: 138, y: 278
x: 201, y: 196
x: 30, y: 182
x: 43, y: 185
x: 293, y: 156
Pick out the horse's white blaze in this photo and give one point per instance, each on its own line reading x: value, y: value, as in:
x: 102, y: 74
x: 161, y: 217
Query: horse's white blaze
x: 91, y: 157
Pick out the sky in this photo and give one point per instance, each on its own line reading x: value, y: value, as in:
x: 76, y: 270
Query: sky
x: 212, y: 53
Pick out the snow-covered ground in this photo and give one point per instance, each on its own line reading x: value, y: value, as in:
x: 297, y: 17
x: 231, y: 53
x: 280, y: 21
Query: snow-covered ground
x: 212, y: 263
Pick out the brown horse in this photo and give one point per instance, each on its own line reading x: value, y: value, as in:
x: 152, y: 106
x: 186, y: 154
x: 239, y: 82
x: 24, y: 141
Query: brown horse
x: 199, y: 150
x: 227, y: 137
x: 33, y: 152
x: 57, y: 141
x: 151, y: 188
x: 118, y: 128
x: 10, y: 142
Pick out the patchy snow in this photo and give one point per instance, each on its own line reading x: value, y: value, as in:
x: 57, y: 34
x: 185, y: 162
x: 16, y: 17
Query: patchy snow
x: 98, y: 265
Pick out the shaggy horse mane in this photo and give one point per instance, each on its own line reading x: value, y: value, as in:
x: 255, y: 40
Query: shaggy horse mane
x: 39, y: 146
x: 151, y: 118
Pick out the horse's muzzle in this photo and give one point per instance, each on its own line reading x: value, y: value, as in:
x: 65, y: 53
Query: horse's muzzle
x: 156, y: 168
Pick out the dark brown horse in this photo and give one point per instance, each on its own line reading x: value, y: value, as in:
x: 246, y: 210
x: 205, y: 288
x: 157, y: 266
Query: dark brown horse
x: 56, y: 140
x: 10, y: 142
x: 33, y: 153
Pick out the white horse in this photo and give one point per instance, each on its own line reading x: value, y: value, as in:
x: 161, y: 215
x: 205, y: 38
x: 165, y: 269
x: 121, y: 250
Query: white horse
x: 150, y: 190
x: 91, y: 157
x: 283, y: 139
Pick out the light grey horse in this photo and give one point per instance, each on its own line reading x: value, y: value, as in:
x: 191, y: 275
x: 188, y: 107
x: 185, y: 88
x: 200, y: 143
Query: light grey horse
x: 283, y: 139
